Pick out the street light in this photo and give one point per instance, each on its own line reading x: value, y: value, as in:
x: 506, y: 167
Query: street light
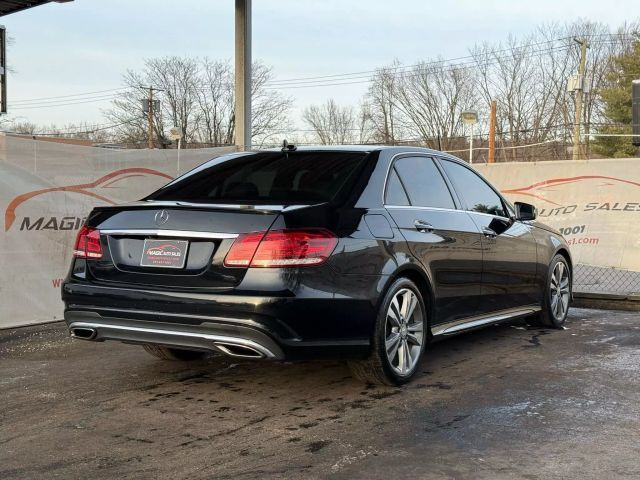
x: 469, y: 117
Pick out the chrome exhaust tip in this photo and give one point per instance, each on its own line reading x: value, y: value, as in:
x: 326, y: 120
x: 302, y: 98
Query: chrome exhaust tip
x: 241, y: 351
x: 83, y: 333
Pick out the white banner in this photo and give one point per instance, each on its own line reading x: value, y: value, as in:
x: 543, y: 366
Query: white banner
x: 46, y: 191
x: 595, y: 204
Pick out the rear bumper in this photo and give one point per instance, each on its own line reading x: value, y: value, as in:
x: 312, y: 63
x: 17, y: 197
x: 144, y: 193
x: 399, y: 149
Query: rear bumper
x: 231, y: 340
x: 315, y: 324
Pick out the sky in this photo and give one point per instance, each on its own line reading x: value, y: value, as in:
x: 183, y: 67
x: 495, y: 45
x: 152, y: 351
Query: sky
x: 86, y: 45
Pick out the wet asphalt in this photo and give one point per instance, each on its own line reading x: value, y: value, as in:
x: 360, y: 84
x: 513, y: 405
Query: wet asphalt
x: 506, y: 402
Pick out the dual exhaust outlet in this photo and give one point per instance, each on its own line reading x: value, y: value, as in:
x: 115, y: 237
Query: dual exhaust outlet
x: 228, y: 348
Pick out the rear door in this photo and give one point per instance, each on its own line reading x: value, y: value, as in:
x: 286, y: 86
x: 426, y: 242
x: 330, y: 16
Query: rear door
x: 509, y: 259
x: 443, y: 238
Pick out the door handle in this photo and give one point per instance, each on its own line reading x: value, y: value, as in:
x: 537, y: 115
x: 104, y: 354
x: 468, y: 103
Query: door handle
x: 488, y: 232
x: 423, y: 227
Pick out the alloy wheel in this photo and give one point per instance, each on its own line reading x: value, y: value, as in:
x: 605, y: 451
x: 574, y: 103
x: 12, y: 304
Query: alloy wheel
x: 404, y: 331
x: 559, y: 291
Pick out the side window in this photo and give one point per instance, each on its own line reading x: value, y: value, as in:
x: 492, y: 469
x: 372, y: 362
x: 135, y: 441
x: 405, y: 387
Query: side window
x: 424, y: 183
x: 395, y: 194
x: 479, y: 196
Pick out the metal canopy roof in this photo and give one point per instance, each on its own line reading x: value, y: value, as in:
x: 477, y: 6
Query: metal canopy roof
x: 8, y: 7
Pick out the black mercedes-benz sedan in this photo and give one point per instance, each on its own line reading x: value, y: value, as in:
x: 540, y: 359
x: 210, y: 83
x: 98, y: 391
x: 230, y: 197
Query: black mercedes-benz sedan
x: 361, y: 253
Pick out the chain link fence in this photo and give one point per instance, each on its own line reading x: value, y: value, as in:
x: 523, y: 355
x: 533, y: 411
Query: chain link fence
x: 593, y: 279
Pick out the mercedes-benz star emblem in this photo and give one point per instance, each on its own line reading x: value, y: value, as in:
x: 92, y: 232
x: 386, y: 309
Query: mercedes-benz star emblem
x: 162, y: 217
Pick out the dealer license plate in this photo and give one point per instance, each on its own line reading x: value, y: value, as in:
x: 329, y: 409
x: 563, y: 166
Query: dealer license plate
x: 164, y: 253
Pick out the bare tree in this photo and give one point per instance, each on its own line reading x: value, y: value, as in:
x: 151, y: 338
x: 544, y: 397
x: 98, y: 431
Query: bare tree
x: 269, y: 107
x: 365, y: 127
x: 331, y: 123
x: 508, y: 73
x: 430, y: 97
x: 178, y: 79
x: 528, y: 78
x: 198, y: 97
x: 130, y: 124
x: 380, y: 104
x: 22, y: 127
x: 215, y: 100
x: 421, y: 104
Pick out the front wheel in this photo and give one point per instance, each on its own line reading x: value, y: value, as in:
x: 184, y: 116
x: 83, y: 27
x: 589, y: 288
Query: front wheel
x: 399, y: 339
x: 555, y: 304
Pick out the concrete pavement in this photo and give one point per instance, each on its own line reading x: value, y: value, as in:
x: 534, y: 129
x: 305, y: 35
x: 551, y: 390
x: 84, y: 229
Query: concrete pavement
x: 504, y: 402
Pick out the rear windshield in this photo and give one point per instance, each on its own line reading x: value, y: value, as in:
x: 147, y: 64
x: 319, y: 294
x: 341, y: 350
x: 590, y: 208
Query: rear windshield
x: 268, y: 177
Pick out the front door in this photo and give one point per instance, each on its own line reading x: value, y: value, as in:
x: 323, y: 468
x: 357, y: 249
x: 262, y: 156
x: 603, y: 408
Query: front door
x: 509, y: 248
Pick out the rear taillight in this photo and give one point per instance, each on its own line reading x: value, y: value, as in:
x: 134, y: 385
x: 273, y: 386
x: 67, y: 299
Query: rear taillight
x: 88, y: 243
x: 242, y: 250
x: 281, y: 248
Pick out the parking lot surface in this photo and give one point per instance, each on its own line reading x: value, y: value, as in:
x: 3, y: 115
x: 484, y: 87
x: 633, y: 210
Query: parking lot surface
x: 505, y: 402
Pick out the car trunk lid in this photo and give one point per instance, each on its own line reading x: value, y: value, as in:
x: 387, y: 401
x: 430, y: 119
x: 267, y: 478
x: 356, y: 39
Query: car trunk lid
x: 153, y: 243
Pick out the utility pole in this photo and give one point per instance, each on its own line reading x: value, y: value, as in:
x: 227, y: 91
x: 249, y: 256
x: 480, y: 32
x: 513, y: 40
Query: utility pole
x: 149, y: 106
x: 579, y: 90
x: 243, y: 74
x: 635, y: 113
x: 150, y: 118
x: 492, y: 132
x: 3, y: 70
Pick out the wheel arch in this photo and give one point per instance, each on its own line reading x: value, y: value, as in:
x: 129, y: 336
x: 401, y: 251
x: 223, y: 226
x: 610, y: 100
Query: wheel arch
x: 565, y: 253
x: 420, y: 278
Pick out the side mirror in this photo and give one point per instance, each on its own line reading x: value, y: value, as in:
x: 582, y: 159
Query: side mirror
x: 525, y: 211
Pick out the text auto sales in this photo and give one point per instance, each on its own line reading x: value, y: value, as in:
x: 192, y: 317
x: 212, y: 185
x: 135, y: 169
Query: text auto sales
x: 606, y: 206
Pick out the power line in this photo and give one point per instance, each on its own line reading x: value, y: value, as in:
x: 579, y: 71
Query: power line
x: 447, y: 68
x: 472, y: 63
x: 97, y: 128
x: 30, y: 100
x: 357, y: 75
x: 63, y: 101
x: 350, y: 78
x: 302, y: 79
x: 64, y: 104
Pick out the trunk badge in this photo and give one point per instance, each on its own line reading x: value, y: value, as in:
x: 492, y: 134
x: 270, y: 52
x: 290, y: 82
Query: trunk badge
x: 162, y: 217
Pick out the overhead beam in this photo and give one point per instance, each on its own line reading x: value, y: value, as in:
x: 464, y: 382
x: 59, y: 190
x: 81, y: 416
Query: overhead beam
x: 243, y: 75
x: 8, y: 7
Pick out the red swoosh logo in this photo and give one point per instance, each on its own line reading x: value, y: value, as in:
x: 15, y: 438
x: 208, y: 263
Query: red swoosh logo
x: 560, y: 181
x: 162, y: 248
x: 111, y: 178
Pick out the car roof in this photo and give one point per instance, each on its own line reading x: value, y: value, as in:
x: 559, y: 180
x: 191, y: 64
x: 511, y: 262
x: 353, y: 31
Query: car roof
x: 363, y: 148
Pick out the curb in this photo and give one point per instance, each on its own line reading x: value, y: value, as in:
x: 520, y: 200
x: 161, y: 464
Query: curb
x: 607, y: 301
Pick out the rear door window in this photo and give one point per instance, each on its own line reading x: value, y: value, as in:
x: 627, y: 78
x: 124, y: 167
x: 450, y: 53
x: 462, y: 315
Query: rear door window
x: 423, y: 182
x: 268, y: 177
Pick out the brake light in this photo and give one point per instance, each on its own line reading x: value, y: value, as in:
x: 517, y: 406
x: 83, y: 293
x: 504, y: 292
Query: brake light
x: 281, y: 248
x: 242, y: 250
x: 88, y: 243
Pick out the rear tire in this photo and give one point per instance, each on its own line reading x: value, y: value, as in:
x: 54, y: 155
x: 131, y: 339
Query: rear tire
x: 557, y: 296
x: 399, y: 338
x: 175, y: 354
